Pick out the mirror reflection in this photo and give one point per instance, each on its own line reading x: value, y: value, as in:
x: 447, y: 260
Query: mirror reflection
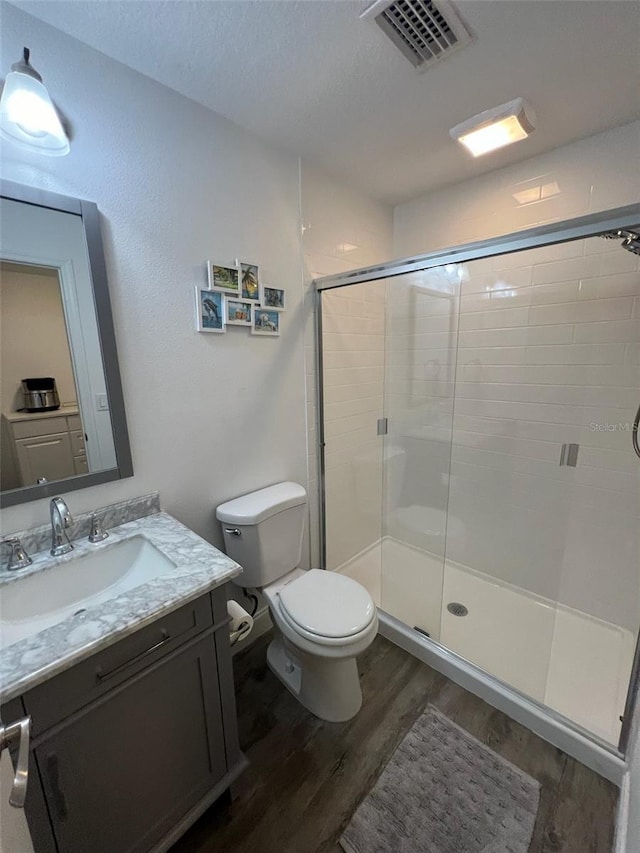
x: 55, y: 419
x: 41, y: 424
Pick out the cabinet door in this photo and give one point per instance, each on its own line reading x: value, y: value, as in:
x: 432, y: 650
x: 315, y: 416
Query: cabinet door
x: 46, y: 456
x: 122, y: 771
x: 80, y: 465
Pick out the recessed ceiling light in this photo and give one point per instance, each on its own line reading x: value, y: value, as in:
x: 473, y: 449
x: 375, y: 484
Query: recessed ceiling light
x: 495, y: 128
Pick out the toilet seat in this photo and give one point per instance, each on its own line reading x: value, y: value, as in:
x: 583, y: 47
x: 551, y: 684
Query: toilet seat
x: 327, y: 608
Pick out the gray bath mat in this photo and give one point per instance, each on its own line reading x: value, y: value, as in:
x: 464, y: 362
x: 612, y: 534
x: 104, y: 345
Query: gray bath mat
x: 445, y: 792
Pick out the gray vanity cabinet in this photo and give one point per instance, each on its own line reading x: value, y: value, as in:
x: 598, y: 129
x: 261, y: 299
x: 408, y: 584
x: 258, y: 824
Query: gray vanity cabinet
x: 131, y: 745
x: 117, y: 772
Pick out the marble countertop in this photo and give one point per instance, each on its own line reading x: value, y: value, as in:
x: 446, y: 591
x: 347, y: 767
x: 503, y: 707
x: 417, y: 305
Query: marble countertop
x: 199, y: 568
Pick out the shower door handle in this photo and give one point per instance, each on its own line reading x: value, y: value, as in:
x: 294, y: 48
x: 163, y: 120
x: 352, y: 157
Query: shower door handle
x: 569, y: 455
x: 634, y: 433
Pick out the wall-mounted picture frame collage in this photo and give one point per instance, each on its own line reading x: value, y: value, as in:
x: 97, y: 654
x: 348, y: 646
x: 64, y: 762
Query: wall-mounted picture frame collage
x: 236, y: 296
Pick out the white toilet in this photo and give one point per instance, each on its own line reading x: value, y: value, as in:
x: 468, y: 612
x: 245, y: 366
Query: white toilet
x: 322, y: 620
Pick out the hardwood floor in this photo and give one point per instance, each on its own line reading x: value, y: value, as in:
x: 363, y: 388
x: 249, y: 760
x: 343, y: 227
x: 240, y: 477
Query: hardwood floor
x: 306, y: 777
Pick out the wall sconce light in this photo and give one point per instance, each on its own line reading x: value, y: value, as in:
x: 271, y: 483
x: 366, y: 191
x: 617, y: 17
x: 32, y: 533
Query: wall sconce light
x: 27, y: 115
x: 495, y: 128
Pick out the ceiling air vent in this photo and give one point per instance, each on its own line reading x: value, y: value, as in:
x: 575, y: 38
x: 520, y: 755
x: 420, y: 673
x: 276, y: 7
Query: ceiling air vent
x: 423, y: 30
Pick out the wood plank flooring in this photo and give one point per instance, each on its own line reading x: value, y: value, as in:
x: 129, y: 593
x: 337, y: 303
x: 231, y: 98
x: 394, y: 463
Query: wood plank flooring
x: 306, y: 777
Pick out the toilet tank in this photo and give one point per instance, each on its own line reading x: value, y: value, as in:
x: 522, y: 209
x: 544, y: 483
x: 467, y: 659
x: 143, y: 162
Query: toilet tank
x: 263, y: 532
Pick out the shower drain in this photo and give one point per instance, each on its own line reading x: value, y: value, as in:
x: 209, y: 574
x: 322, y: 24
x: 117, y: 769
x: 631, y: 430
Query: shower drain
x: 457, y: 609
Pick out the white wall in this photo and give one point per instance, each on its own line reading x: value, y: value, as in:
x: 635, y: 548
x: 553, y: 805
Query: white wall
x: 343, y: 230
x: 177, y: 184
x: 33, y: 334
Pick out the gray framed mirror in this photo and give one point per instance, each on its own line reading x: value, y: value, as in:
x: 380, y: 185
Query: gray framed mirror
x: 62, y: 418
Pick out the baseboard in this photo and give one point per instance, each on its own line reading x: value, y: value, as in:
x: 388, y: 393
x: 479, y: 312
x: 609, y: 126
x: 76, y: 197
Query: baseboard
x: 261, y: 624
x: 622, y: 815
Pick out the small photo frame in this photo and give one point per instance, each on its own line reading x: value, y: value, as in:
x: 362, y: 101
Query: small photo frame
x: 239, y: 313
x: 249, y: 282
x: 265, y: 322
x: 223, y: 278
x: 272, y: 298
x: 210, y: 311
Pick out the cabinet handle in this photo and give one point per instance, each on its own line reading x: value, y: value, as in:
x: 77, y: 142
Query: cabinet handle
x: 59, y: 800
x: 8, y: 734
x: 102, y: 676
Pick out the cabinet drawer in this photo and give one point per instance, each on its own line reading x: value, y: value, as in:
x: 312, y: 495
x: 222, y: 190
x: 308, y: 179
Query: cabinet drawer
x: 39, y: 426
x: 74, y: 422
x: 88, y: 680
x: 77, y: 442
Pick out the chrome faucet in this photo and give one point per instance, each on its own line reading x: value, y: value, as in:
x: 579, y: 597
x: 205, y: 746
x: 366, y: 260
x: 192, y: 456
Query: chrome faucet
x: 60, y: 520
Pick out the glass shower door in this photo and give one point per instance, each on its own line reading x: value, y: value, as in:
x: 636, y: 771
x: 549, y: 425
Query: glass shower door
x: 421, y: 340
x: 480, y: 478
x: 353, y: 328
x: 542, y: 543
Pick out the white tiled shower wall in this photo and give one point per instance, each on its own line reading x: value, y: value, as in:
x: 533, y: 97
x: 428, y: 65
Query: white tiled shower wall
x: 343, y: 229
x: 353, y: 339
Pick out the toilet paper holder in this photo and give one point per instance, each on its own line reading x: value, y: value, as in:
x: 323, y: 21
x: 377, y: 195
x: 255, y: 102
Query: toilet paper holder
x: 241, y: 623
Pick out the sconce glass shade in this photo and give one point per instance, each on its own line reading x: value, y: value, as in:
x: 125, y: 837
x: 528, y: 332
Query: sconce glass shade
x: 27, y: 115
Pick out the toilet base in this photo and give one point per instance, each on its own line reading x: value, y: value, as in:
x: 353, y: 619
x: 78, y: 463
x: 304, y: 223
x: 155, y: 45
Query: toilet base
x: 328, y: 687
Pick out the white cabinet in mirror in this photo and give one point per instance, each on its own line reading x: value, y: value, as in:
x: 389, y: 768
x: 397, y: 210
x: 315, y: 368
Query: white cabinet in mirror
x: 59, y: 376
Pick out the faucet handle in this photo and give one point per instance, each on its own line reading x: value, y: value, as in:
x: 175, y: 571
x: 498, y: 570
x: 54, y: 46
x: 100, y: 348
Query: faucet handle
x: 19, y: 559
x: 98, y: 533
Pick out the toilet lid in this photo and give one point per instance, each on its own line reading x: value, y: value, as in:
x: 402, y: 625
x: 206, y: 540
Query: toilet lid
x: 327, y: 604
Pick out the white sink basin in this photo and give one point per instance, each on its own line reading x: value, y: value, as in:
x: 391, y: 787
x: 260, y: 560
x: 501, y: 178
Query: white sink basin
x: 36, y: 602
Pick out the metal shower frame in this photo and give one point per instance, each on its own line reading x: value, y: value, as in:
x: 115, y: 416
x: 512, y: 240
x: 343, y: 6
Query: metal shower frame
x: 592, y: 225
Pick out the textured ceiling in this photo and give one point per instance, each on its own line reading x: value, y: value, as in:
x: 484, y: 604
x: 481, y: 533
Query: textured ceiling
x: 314, y: 77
